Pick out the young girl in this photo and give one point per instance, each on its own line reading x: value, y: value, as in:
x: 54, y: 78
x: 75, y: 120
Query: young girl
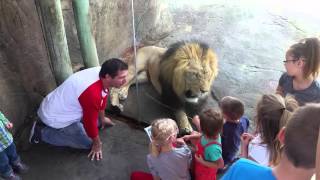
x: 302, y: 65
x: 208, y: 155
x: 273, y: 113
x: 165, y: 161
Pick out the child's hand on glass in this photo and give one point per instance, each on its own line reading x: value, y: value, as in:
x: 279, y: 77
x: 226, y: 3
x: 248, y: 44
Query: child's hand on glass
x: 196, y: 122
x: 186, y: 138
x: 246, y: 138
x: 9, y: 125
x: 179, y: 142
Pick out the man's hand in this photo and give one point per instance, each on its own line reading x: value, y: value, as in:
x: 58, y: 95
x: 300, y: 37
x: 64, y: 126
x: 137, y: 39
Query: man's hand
x: 96, y: 149
x: 9, y: 125
x: 106, y: 122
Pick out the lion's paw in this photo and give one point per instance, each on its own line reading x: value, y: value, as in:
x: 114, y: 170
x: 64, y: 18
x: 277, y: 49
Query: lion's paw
x: 184, y: 131
x: 123, y: 94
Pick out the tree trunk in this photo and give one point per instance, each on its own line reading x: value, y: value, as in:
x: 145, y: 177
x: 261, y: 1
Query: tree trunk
x: 86, y: 39
x: 52, y: 22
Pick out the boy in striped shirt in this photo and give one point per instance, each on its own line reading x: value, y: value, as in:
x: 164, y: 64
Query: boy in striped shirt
x: 10, y: 162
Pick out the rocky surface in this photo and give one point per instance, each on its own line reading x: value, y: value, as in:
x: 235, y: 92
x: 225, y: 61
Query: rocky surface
x: 25, y: 74
x: 249, y: 38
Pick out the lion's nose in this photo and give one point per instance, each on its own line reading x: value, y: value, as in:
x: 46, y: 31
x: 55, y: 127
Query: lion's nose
x: 203, y: 91
x: 190, y: 94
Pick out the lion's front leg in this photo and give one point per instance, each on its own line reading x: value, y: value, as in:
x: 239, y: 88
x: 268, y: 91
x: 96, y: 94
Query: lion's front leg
x: 118, y: 94
x: 183, y: 123
x: 114, y: 98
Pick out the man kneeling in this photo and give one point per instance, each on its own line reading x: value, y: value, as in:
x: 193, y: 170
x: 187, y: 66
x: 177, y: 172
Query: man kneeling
x: 70, y: 113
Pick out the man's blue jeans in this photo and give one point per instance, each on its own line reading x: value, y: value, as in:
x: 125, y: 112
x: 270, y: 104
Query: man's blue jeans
x: 8, y: 158
x: 73, y: 136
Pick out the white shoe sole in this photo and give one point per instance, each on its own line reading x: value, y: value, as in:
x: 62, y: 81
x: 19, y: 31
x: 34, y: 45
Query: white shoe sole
x: 32, y: 132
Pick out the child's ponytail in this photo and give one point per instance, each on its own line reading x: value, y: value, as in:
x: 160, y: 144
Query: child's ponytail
x: 290, y: 104
x: 312, y: 55
x: 309, y: 50
x: 273, y: 113
x: 155, y: 149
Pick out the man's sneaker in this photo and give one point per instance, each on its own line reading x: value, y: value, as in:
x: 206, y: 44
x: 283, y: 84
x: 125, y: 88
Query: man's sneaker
x: 12, y: 176
x: 20, y: 168
x: 35, y: 133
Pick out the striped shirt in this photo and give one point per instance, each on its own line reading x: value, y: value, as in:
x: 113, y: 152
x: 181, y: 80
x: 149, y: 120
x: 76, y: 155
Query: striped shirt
x: 5, y: 137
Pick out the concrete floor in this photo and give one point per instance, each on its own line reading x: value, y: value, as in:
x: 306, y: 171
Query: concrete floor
x: 124, y: 151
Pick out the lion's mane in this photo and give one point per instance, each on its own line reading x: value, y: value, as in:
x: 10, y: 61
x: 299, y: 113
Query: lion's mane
x: 187, y: 67
x: 183, y: 73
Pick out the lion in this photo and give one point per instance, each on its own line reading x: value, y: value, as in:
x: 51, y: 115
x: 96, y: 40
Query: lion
x: 181, y: 74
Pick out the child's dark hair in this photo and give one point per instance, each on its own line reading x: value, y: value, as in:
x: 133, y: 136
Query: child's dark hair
x: 309, y: 49
x: 300, y: 142
x: 111, y: 67
x: 232, y: 107
x: 211, y: 122
x: 273, y: 113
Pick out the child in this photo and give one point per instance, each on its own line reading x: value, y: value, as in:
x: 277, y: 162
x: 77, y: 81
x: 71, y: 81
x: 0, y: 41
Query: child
x: 235, y: 125
x: 273, y: 113
x: 9, y: 159
x: 298, y: 141
x: 165, y: 161
x: 302, y: 65
x: 208, y: 156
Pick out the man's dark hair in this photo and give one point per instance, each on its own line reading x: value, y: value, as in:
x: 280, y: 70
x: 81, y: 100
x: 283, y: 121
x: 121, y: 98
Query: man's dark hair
x: 111, y: 67
x: 301, y: 134
x: 211, y: 122
x: 232, y: 107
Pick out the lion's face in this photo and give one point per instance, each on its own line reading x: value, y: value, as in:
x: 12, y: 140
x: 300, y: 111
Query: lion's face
x: 193, y: 73
x: 197, y: 83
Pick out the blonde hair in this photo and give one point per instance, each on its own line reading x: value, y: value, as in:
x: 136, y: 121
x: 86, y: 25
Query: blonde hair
x: 161, y: 131
x: 273, y: 113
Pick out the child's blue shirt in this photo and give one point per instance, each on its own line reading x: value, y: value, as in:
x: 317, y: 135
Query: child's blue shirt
x: 231, y: 138
x: 245, y: 169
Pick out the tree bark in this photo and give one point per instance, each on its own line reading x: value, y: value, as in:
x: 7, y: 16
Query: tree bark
x: 55, y: 37
x: 86, y: 39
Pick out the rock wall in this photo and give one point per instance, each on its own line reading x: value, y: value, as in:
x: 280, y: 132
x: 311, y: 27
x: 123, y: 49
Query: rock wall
x: 250, y: 40
x: 26, y: 73
x: 25, y: 70
x: 112, y: 26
